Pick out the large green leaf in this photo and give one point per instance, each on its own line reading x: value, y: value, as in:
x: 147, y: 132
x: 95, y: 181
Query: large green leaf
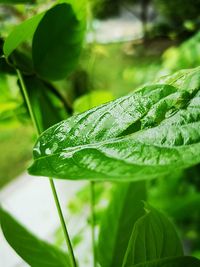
x: 57, y: 42
x: 31, y: 249
x: 171, y: 262
x: 143, y: 135
x: 125, y: 209
x: 21, y: 33
x: 153, y: 237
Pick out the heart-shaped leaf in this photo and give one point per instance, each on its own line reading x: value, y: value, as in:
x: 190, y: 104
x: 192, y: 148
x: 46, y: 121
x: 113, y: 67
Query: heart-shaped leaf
x: 31, y: 249
x: 143, y: 135
x: 125, y: 209
x: 153, y: 237
x: 57, y: 42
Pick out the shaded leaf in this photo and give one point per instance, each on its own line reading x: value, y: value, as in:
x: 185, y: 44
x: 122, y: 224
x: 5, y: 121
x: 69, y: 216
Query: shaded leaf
x: 31, y: 249
x: 57, y: 46
x: 171, y: 262
x: 125, y: 209
x: 143, y: 135
x: 153, y: 237
x: 44, y: 103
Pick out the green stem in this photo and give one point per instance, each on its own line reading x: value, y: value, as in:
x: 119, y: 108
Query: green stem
x: 58, y: 206
x: 92, y: 203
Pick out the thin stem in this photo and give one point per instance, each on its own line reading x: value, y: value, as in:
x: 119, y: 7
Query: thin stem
x: 92, y: 203
x: 28, y: 103
x: 62, y: 221
x: 58, y: 206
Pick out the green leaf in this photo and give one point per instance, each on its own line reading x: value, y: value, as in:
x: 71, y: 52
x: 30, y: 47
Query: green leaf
x: 17, y: 2
x: 143, y: 135
x: 21, y: 33
x: 125, y: 209
x: 57, y: 46
x: 153, y: 237
x: 171, y: 262
x: 183, y: 79
x: 31, y: 249
x: 43, y: 103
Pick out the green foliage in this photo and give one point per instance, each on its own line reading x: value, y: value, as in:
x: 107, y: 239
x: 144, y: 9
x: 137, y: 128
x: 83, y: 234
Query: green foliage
x: 187, y: 55
x: 16, y: 143
x: 53, y: 59
x: 125, y: 209
x: 171, y: 262
x: 21, y: 33
x: 143, y: 135
x: 43, y: 102
x: 153, y: 237
x: 178, y: 11
x: 152, y: 132
x: 105, y: 8
x: 33, y: 250
x: 91, y: 100
x: 17, y: 1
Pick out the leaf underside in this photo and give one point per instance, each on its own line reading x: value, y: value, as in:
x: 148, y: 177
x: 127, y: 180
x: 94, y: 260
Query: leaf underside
x: 145, y: 134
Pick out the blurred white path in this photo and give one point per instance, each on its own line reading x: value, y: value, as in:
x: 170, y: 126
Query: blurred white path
x: 30, y: 200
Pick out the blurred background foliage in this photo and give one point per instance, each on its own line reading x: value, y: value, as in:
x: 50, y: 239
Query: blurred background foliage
x: 170, y: 40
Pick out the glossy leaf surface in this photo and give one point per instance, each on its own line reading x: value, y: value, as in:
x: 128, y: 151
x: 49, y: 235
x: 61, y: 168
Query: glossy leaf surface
x: 171, y: 262
x: 153, y: 237
x: 31, y: 249
x: 143, y: 135
x: 57, y: 42
x: 125, y: 209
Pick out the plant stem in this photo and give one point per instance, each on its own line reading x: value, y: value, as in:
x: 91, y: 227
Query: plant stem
x: 62, y: 221
x: 92, y: 203
x: 55, y: 195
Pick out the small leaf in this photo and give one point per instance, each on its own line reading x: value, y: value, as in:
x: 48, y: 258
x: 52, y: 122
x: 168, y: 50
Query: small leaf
x: 31, y: 249
x: 57, y: 46
x: 153, y: 237
x: 171, y: 262
x: 21, y: 33
x: 125, y: 209
x: 144, y: 135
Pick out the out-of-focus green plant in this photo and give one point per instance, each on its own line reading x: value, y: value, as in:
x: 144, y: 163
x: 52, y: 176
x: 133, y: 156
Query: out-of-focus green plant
x: 187, y: 55
x: 180, y: 10
x: 178, y: 17
x: 153, y: 132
